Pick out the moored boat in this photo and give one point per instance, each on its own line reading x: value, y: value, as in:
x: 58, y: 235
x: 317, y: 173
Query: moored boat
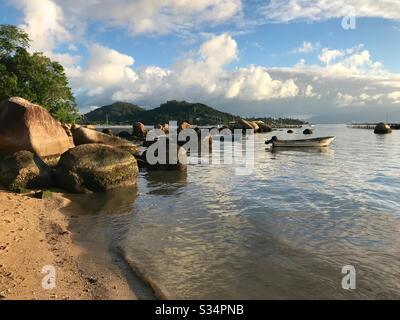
x: 314, y: 142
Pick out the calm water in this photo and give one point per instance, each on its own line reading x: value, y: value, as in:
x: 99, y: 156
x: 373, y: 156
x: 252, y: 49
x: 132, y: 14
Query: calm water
x: 284, y: 232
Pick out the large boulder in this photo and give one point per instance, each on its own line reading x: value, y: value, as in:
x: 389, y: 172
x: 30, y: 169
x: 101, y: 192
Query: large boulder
x: 27, y: 126
x: 243, y: 124
x: 184, y: 126
x: 25, y: 170
x: 107, y: 131
x: 67, y: 128
x: 165, y: 128
x: 139, y: 130
x: 263, y: 127
x: 83, y: 135
x: 255, y: 126
x: 177, y: 161
x: 125, y: 135
x: 382, y: 128
x: 90, y: 126
x: 96, y: 167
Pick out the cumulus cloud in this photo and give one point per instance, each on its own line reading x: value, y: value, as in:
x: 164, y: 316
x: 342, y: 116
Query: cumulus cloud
x: 105, y: 69
x: 110, y: 74
x: 345, y: 78
x: 395, y: 96
x: 309, y: 91
x: 328, y: 55
x: 43, y: 20
x: 256, y: 84
x: 349, y: 62
x: 292, y: 10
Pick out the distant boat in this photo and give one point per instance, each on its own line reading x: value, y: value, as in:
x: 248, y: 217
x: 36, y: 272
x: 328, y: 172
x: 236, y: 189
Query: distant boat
x: 314, y: 142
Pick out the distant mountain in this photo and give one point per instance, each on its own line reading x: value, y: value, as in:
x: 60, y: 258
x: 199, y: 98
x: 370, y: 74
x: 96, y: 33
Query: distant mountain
x: 116, y: 113
x: 194, y: 113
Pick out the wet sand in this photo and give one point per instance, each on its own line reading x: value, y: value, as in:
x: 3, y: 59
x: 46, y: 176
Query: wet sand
x: 35, y: 233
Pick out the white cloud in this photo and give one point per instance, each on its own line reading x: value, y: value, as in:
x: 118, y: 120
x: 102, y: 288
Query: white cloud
x: 309, y: 91
x: 255, y: 84
x: 362, y: 99
x: 105, y: 69
x: 43, y: 20
x: 291, y: 10
x: 153, y: 16
x: 306, y: 47
x: 347, y: 78
x: 219, y: 50
x: 395, y: 96
x: 110, y: 74
x: 328, y: 55
x: 350, y: 62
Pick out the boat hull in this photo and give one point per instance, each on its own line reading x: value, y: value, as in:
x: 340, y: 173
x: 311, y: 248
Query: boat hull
x: 315, y: 142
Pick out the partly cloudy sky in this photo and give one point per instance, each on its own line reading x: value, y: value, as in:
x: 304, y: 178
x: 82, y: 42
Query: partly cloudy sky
x: 328, y: 60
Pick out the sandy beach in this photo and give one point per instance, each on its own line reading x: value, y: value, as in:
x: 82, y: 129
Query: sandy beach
x: 34, y: 234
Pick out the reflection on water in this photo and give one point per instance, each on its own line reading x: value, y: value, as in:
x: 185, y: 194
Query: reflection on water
x: 285, y: 231
x: 121, y: 200
x: 165, y: 182
x: 328, y: 151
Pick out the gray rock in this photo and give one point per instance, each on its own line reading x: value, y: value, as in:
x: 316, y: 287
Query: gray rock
x: 139, y: 130
x: 107, y: 131
x: 263, y: 127
x: 83, y: 135
x: 28, y: 126
x: 177, y: 162
x: 125, y: 135
x: 24, y: 170
x: 96, y: 167
x: 382, y: 128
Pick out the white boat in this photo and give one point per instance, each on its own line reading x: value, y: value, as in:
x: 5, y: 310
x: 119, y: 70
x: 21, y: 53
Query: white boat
x: 314, y: 142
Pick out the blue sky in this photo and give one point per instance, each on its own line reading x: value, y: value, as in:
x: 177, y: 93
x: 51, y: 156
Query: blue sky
x: 278, y: 57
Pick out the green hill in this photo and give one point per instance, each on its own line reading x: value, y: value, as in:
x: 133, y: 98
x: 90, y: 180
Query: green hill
x: 117, y: 113
x: 194, y: 113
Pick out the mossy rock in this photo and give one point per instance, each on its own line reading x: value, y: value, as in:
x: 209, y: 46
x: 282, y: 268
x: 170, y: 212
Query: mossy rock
x: 132, y: 149
x: 24, y: 170
x: 96, y: 168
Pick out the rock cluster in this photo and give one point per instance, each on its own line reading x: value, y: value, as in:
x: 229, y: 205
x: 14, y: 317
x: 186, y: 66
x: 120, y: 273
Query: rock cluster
x: 255, y: 126
x: 37, y: 152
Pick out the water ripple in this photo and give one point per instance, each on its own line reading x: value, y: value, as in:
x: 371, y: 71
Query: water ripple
x: 285, y: 231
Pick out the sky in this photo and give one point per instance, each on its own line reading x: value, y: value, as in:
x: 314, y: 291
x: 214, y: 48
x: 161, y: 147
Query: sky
x: 324, y: 60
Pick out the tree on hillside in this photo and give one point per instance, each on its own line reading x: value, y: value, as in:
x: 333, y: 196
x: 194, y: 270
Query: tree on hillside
x: 33, y: 76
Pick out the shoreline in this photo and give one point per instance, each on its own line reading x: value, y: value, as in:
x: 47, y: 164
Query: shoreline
x: 36, y: 234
